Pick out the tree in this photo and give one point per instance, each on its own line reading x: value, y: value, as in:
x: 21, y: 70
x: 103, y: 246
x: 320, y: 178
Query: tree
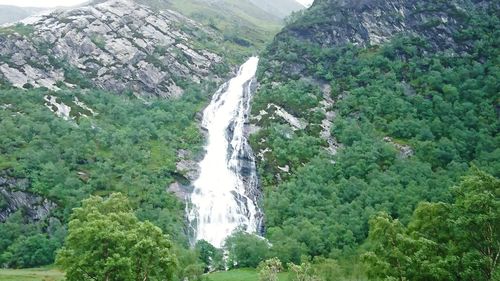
x: 269, y: 269
x: 459, y: 241
x: 210, y: 256
x: 190, y: 267
x: 477, y: 221
x: 387, y: 257
x: 107, y: 242
x: 245, y: 250
x: 30, y: 251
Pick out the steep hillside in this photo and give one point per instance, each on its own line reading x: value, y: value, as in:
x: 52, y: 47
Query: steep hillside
x: 247, y: 25
x: 73, y: 136
x: 368, y: 106
x: 243, y: 24
x: 60, y: 147
x: 118, y: 46
x: 280, y: 8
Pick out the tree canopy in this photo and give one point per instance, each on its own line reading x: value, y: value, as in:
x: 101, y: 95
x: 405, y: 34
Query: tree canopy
x: 106, y: 241
x: 457, y: 241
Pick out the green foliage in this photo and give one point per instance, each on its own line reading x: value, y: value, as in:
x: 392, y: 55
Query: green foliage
x: 30, y: 251
x: 210, y: 256
x: 269, y: 269
x: 21, y: 29
x: 74, y: 76
x: 441, y: 107
x: 127, y: 146
x: 302, y: 272
x: 23, y: 245
x: 458, y: 241
x: 190, y: 267
x: 245, y: 250
x: 106, y: 241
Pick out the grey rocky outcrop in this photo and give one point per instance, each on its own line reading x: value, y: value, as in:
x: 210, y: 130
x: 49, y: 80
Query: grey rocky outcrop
x: 14, y: 197
x: 372, y: 22
x: 117, y: 45
x: 189, y: 170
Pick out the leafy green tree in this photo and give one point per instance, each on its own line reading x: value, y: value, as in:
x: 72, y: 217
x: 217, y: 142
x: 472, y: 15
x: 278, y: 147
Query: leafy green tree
x: 107, y: 242
x: 190, y: 267
x: 30, y: 251
x: 387, y: 258
x: 285, y: 248
x: 245, y: 250
x: 458, y: 241
x: 477, y: 221
x: 210, y: 256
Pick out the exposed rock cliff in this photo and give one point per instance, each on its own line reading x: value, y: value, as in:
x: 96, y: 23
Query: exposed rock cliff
x: 372, y: 22
x: 116, y: 45
x: 14, y: 198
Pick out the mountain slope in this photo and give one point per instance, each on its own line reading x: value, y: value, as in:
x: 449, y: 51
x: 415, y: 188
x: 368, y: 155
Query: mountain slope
x: 334, y: 22
x: 117, y: 45
x: 280, y: 8
x: 368, y: 106
x: 10, y: 14
x: 247, y: 25
x: 243, y: 24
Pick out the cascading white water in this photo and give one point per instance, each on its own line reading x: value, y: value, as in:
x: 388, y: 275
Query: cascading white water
x: 222, y: 201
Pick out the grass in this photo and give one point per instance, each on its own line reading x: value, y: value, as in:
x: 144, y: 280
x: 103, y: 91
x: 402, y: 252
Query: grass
x: 22, y: 29
x: 240, y: 275
x: 34, y: 274
x: 46, y: 274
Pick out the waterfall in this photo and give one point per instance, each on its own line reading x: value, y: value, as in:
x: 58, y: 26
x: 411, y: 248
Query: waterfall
x: 226, y: 193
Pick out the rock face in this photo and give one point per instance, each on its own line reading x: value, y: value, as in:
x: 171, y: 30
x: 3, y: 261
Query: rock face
x: 116, y: 45
x: 14, y: 198
x: 372, y: 22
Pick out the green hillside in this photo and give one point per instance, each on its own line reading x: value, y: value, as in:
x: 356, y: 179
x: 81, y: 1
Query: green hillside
x: 247, y: 27
x: 374, y: 125
x: 409, y: 118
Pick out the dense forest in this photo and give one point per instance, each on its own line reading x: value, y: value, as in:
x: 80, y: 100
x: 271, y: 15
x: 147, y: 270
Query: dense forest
x: 409, y: 123
x: 377, y: 162
x: 112, y: 144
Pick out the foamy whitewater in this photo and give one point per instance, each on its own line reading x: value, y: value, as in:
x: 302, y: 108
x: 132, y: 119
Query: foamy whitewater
x: 220, y: 201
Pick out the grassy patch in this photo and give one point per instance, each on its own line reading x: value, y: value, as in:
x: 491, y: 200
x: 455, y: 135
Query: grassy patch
x: 246, y: 274
x: 36, y: 274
